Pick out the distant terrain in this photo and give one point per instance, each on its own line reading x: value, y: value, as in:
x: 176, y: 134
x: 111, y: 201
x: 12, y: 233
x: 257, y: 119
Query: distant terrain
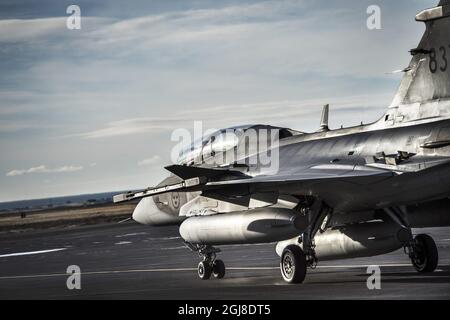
x: 57, y: 202
x: 62, y: 212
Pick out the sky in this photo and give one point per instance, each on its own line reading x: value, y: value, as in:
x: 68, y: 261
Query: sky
x: 93, y: 110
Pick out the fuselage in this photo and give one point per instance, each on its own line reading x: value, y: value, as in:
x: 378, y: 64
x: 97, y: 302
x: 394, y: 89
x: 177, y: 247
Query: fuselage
x: 429, y: 177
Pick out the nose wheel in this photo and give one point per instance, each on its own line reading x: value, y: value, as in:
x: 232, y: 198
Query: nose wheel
x: 204, y: 270
x: 207, y: 268
x: 218, y: 269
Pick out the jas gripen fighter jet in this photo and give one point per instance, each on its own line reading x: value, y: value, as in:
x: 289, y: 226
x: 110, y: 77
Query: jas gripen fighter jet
x: 333, y: 194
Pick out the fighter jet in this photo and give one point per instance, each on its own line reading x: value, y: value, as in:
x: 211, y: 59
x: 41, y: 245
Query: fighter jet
x: 331, y: 194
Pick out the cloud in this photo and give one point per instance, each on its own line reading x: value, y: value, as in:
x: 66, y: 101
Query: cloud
x: 21, y: 30
x: 284, y: 113
x: 149, y: 161
x: 43, y: 169
x: 15, y: 30
x: 230, y: 54
x: 10, y: 126
x: 147, y: 69
x: 129, y: 127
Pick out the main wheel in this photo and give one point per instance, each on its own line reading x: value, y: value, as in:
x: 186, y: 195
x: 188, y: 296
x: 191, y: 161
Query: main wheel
x: 218, y: 269
x: 293, y: 264
x: 425, y: 257
x: 204, y: 270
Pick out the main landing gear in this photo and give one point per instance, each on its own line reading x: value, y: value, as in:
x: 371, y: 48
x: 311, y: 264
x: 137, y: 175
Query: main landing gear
x: 421, y: 249
x: 294, y: 260
x: 209, y: 264
x: 423, y: 253
x: 293, y: 264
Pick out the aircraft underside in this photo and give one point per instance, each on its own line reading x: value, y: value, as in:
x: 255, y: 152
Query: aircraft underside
x: 306, y: 229
x: 361, y: 212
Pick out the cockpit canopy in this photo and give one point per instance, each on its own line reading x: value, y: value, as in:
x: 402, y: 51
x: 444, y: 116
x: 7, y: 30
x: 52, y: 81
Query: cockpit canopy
x: 224, y: 140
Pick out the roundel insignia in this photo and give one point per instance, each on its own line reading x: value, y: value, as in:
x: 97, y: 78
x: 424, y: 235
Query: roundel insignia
x: 175, y: 199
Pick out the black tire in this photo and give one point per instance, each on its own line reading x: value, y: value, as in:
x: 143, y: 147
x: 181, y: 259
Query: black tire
x: 204, y: 270
x: 426, y: 257
x: 218, y: 269
x: 293, y: 264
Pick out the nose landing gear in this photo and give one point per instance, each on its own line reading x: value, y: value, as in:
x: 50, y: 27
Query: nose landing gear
x: 209, y: 264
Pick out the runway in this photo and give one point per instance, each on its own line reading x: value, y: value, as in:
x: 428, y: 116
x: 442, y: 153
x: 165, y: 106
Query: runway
x: 130, y: 261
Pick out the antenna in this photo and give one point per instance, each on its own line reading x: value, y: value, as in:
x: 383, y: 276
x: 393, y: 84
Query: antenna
x: 324, y: 119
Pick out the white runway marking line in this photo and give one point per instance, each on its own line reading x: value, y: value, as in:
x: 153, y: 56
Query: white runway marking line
x: 174, y: 248
x: 97, y: 272
x: 30, y: 253
x: 130, y: 234
x: 165, y: 238
x: 180, y: 269
x: 122, y: 242
x: 350, y: 266
x: 366, y: 265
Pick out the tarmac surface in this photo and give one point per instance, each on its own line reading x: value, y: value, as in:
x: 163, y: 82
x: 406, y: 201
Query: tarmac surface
x: 130, y: 261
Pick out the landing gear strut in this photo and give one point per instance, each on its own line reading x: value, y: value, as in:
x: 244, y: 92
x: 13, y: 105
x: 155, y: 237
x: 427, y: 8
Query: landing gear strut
x: 209, y: 264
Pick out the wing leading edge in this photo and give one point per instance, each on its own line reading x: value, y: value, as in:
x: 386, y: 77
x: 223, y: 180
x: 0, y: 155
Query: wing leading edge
x: 216, y: 179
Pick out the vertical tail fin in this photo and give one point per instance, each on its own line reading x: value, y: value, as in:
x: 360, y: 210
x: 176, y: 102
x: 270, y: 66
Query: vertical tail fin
x: 428, y: 78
